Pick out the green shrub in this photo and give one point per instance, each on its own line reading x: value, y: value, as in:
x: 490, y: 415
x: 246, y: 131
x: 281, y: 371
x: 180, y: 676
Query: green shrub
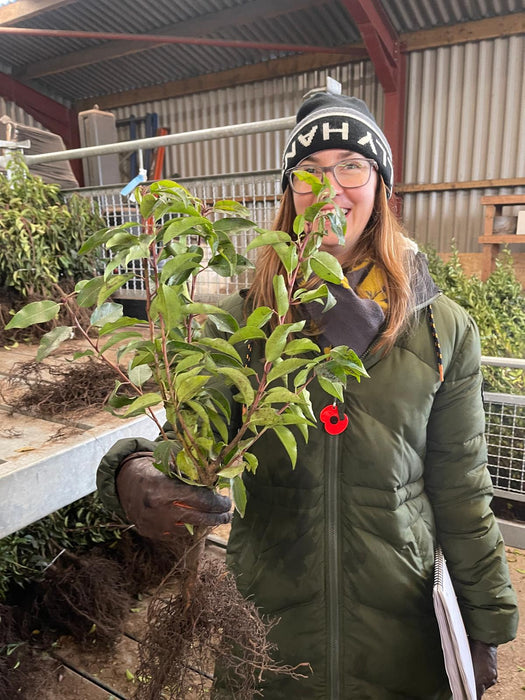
x: 41, y: 234
x: 25, y: 554
x: 497, y: 306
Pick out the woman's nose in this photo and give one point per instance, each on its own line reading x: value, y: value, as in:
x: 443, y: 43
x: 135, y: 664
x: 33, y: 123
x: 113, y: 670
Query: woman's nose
x: 329, y: 172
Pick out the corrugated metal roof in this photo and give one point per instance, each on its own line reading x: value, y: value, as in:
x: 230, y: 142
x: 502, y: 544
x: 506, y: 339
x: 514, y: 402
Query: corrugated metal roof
x: 307, y: 22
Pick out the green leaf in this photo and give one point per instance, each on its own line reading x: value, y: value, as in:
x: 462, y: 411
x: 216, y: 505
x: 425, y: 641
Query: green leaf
x: 118, y: 338
x: 231, y: 472
x: 188, y: 387
x: 241, y: 382
x: 220, y: 401
x: 298, y: 346
x: 230, y: 205
x: 260, y: 316
x: 98, y: 239
x: 251, y: 462
x: 287, y: 438
x: 246, y: 333
x: 83, y: 353
x: 332, y: 388
x: 269, y: 238
x: 168, y: 303
x: 278, y: 339
x: 181, y: 267
x: 186, y: 466
x: 239, y: 495
x: 35, y: 312
x: 298, y: 224
x: 138, y: 406
x: 122, y: 322
x: 224, y: 322
x: 106, y: 313
x: 147, y: 205
x: 222, y: 346
x: 288, y: 255
x: 285, y: 367
x: 181, y: 226
x: 111, y: 286
x: 326, y: 267
x: 139, y: 374
x: 233, y: 225
x: 164, y: 454
x: 218, y: 423
x: 52, y: 340
x: 88, y: 291
x: 281, y: 295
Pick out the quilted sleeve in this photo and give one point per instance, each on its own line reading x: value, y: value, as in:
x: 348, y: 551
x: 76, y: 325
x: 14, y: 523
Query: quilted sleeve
x: 460, y: 489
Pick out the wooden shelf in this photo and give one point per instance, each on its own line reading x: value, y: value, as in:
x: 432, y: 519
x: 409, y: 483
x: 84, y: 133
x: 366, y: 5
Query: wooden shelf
x: 491, y: 242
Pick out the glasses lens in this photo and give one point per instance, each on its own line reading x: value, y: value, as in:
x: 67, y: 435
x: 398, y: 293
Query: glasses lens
x: 352, y: 173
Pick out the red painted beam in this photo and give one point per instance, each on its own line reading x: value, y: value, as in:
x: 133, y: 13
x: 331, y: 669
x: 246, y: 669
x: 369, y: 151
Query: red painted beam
x: 192, y: 41
x: 384, y: 48
x: 54, y: 116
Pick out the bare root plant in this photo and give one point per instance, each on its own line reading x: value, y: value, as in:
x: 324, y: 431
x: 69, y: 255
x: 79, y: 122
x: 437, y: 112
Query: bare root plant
x: 219, y: 632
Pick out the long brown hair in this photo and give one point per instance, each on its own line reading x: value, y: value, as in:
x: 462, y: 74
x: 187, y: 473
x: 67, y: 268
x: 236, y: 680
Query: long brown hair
x: 383, y: 241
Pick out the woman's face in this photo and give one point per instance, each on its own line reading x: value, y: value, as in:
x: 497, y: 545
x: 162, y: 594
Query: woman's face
x: 357, y: 203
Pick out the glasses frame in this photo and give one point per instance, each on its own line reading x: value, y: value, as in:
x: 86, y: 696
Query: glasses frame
x: 331, y: 169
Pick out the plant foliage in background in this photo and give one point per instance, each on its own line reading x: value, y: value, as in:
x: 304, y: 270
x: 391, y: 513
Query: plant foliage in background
x: 498, y: 307
x: 41, y: 233
x: 25, y: 554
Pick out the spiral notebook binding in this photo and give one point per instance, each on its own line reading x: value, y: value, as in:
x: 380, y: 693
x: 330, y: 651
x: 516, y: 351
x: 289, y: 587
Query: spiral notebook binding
x: 438, y: 567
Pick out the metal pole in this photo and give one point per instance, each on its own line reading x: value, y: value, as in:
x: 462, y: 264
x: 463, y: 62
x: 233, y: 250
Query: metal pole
x: 168, y: 140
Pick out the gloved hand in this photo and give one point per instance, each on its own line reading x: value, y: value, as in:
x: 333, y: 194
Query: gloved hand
x: 159, y: 506
x: 485, y: 662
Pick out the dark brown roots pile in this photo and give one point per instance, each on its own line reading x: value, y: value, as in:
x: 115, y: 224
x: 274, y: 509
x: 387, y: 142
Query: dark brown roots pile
x: 54, y: 389
x: 220, y: 631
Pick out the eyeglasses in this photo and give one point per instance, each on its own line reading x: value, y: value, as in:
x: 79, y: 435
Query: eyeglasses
x: 351, y: 173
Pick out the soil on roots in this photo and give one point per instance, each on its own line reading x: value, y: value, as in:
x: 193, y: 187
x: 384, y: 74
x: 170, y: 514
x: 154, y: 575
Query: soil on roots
x: 218, y: 632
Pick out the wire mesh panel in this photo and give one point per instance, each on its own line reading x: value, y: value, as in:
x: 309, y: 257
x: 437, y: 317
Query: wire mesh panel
x: 259, y: 193
x: 505, y: 432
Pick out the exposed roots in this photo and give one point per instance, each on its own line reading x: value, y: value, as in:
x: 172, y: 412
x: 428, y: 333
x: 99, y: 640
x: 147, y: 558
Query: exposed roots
x: 219, y: 632
x: 67, y: 388
x: 144, y: 562
x: 86, y: 598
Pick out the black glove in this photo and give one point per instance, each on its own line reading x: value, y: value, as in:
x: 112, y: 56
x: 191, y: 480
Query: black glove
x: 159, y: 505
x: 485, y: 662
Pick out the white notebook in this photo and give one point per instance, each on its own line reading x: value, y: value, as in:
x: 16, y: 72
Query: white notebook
x: 454, y: 640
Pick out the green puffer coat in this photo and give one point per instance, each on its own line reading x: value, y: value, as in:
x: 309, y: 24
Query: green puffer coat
x: 341, y: 548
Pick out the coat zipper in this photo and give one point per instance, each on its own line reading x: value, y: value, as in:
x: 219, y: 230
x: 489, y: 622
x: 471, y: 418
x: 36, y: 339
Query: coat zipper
x: 333, y: 582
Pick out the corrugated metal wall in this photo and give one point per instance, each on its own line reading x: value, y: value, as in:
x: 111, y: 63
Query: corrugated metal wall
x: 465, y: 121
x: 245, y: 103
x: 17, y: 114
x: 465, y: 107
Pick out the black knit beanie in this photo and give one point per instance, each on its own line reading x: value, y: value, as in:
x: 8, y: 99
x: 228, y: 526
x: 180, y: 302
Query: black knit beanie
x: 327, y: 121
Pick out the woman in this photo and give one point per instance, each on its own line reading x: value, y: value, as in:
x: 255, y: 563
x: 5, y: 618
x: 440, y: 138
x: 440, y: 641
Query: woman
x: 341, y: 548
